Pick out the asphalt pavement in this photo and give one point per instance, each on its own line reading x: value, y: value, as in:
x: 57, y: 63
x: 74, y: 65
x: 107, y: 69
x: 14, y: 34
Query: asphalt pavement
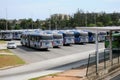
x: 30, y: 55
x: 48, y: 62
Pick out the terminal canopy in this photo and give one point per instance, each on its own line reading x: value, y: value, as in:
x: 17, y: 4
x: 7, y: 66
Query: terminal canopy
x: 96, y: 30
x: 100, y: 29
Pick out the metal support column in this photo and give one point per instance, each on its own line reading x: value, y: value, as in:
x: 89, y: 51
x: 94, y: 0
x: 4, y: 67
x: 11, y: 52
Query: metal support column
x: 110, y: 41
x: 97, y: 54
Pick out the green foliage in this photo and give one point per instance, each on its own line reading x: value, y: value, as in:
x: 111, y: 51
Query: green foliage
x: 100, y: 24
x: 92, y: 25
x: 61, y: 21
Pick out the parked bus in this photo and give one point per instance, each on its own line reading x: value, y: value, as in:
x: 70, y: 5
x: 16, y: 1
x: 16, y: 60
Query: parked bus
x: 79, y: 36
x: 57, y: 38
x: 37, y: 40
x: 6, y: 35
x: 101, y: 36
x: 17, y: 34
x: 91, y: 37
x: 68, y: 37
x: 83, y: 36
x: 25, y: 39
x: 115, y: 41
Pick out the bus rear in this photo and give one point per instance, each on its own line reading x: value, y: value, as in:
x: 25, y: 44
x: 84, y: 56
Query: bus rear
x: 68, y: 38
x: 46, y: 41
x: 57, y: 40
x: 91, y: 37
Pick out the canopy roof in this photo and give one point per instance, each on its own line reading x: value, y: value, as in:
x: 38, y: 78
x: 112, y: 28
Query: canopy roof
x: 99, y: 29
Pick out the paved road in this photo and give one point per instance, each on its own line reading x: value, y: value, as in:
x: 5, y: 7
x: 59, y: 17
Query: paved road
x: 47, y: 62
x: 32, y: 55
x: 116, y: 77
x: 44, y: 67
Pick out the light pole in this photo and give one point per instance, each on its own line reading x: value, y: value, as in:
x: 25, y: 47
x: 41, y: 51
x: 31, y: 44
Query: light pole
x: 56, y: 25
x: 6, y: 20
x: 49, y: 25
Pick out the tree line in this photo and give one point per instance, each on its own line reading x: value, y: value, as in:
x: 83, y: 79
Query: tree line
x: 79, y: 19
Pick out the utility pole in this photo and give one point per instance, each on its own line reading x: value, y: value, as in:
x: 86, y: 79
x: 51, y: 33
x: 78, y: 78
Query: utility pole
x: 32, y: 21
x: 32, y: 24
x: 56, y: 25
x: 50, y: 19
x: 86, y: 20
x: 95, y: 18
x: 6, y: 20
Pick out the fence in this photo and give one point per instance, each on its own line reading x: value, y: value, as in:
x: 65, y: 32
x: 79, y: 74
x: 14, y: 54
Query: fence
x: 104, y: 62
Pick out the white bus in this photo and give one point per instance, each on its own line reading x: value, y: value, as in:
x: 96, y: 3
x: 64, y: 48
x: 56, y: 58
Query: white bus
x: 83, y: 36
x: 68, y: 37
x: 6, y: 35
x: 37, y: 40
x: 57, y: 38
x: 17, y: 34
x: 80, y: 36
x: 101, y: 36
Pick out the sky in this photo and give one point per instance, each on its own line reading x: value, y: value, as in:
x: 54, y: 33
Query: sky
x: 42, y: 9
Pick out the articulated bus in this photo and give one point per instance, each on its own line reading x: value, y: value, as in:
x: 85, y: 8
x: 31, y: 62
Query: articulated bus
x: 68, y: 37
x: 115, y: 41
x: 37, y: 40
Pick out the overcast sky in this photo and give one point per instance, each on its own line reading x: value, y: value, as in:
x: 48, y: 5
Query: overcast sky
x: 42, y: 9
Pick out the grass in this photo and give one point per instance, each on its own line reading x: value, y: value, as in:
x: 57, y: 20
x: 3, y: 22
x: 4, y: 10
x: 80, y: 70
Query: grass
x: 2, y: 42
x: 38, y: 78
x: 5, y: 51
x: 9, y: 60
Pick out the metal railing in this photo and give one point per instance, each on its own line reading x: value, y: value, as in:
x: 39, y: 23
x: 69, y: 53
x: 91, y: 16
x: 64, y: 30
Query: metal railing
x: 104, y: 61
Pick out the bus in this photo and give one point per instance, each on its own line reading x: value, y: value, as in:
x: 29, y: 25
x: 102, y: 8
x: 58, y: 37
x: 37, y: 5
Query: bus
x: 83, y: 36
x: 17, y: 34
x: 25, y: 39
x: 79, y: 36
x: 101, y: 36
x: 37, y: 40
x: 6, y: 35
x: 115, y: 41
x: 91, y: 37
x: 68, y: 37
x: 57, y: 38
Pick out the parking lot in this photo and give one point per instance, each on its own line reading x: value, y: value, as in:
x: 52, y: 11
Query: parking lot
x: 32, y: 55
